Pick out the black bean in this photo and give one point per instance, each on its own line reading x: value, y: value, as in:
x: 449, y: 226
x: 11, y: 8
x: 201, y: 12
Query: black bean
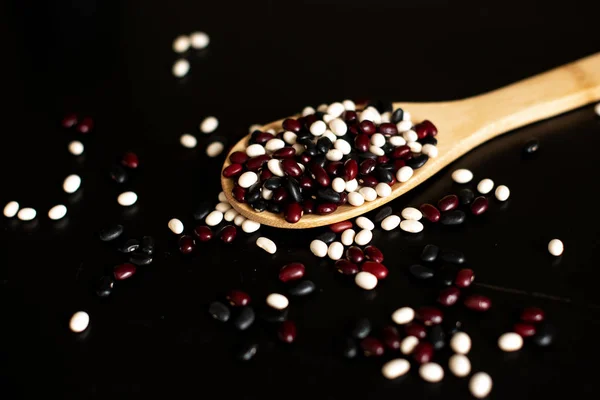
x: 247, y: 351
x: 130, y: 245
x: 244, y: 318
x: 311, y: 149
x: 437, y: 337
x: 319, y: 160
x: 387, y: 166
x: 328, y: 195
x: 275, y: 208
x: 397, y: 115
x: 446, y: 275
x: 203, y: 210
x: 111, y: 233
x: 453, y: 217
x: 327, y: 237
x: 531, y: 147
x: 382, y: 214
x: 451, y: 325
x: 105, y: 286
x: 305, y: 140
x: 361, y: 328
x: 273, y: 182
x: 417, y: 161
x: 428, y: 140
x: 349, y: 349
x: 466, y: 196
x: 367, y: 154
x: 381, y: 105
x: 118, y: 174
x: 292, y: 187
x: 452, y: 256
x: 430, y: 253
x: 421, y: 272
x: 140, y: 259
x: 545, y: 335
x: 324, y: 144
x: 219, y: 311
x: 253, y: 193
x: 319, y: 115
x: 270, y: 314
x: 302, y: 288
x: 147, y: 245
x: 387, y: 147
x: 383, y: 175
x: 259, y: 206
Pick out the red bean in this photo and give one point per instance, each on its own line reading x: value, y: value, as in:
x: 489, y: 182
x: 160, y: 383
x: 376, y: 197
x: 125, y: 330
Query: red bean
x: 308, y: 120
x: 340, y: 226
x: 374, y: 254
x: 239, y: 193
x: 429, y: 315
x: 391, y: 337
x: 382, y: 160
x: 375, y: 268
x: 124, y: 271
x: 532, y: 314
x: 326, y: 208
x: 350, y: 116
x: 524, y: 329
x: 343, y: 199
x: 69, y: 121
x: 238, y: 157
x: 478, y: 302
x: 415, y: 329
x: 320, y: 175
x: 353, y: 129
x: 430, y: 212
x: 130, y: 160
x: 186, y: 244
x: 237, y: 298
x: 279, y: 195
x: 448, y: 296
x: 431, y: 128
x: 256, y: 163
x: 291, y: 272
x: 367, y: 166
x: 306, y: 183
x: 479, y: 205
x: 292, y: 125
x: 387, y: 128
x: 85, y: 125
x: 355, y: 254
x: 228, y: 233
x: 362, y: 142
x: 308, y: 206
x: 464, y: 278
x: 449, y: 202
x: 263, y: 137
x: 204, y: 233
x: 291, y: 168
x: 369, y: 181
x: 423, y: 353
x: 287, y: 331
x: 421, y: 130
x: 372, y: 346
x: 400, y: 151
x: 335, y: 168
x: 398, y: 164
x: 265, y: 174
x: 293, y: 212
x: 286, y: 152
x: 350, y: 169
x: 346, y: 267
x: 367, y: 127
x: 232, y: 170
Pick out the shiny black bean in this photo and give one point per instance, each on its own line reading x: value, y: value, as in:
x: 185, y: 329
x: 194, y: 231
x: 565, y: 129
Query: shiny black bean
x: 275, y: 208
x: 453, y: 217
x: 324, y: 144
x: 118, y: 174
x: 381, y: 105
x: 349, y: 348
x: 437, y: 337
x: 253, y: 193
x: 292, y: 186
x: 259, y: 205
x: 302, y: 288
x: 361, y: 328
x: 111, y: 233
x: 244, y: 318
x: 466, y: 196
x: 203, y: 210
x: 105, y: 286
x: 328, y: 195
x: 129, y: 246
x: 430, y: 253
x: 247, y: 351
x: 381, y: 214
x: 140, y: 259
x: 421, y: 272
x: 428, y: 140
x: 397, y: 115
x: 452, y: 256
x: 219, y: 311
x: 147, y: 245
x: 417, y: 161
x: 327, y: 237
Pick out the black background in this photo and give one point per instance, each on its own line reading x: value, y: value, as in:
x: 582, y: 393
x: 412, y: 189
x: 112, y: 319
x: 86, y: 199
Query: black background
x: 112, y: 60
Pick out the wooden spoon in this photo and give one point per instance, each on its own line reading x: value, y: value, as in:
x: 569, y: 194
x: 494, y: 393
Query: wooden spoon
x: 462, y: 125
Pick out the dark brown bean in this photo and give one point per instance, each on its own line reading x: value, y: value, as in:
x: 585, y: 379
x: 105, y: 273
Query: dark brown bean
x: 374, y: 254
x: 532, y: 314
x: 464, y: 278
x: 355, y: 254
x: 479, y: 205
x: 415, y: 329
x: 346, y: 267
x: 238, y: 298
x: 524, y: 329
x: 478, y: 302
x: 233, y: 170
x: 291, y: 272
x: 293, y: 212
x: 391, y: 337
x: 287, y: 331
x: 429, y: 315
x: 375, y: 268
x: 372, y: 347
x: 430, y: 212
x: 449, y: 202
x: 228, y: 233
x: 448, y: 296
x: 238, y: 157
x: 340, y: 226
x: 186, y: 244
x: 423, y: 353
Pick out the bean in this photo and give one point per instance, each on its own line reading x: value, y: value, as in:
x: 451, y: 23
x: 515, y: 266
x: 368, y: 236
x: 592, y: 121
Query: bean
x: 430, y: 212
x: 437, y: 337
x: 71, y: 183
x: 347, y: 237
x: 140, y: 259
x: 459, y: 365
x: 462, y: 176
x: 244, y: 318
x: 250, y: 226
x: 186, y: 244
x: 318, y: 248
x: 188, y: 141
x: 480, y: 385
x: 69, y: 120
x: 510, y: 341
x: 375, y: 268
x: 105, y: 286
x: 302, y: 288
x: 79, y: 322
x: 404, y: 174
x: 454, y: 217
x: 124, y: 271
x: 365, y: 223
x: 266, y: 244
x: 479, y: 206
x: 127, y: 199
x: 403, y: 315
x: 532, y: 314
x: 466, y: 196
x: 417, y: 161
x: 411, y: 213
x: 346, y: 267
x: 130, y: 160
x: 355, y: 254
x: 11, y: 209
x: 524, y: 330
x: 176, y: 226
x: 423, y: 352
x: 421, y: 272
x: 390, y: 223
x: 452, y: 256
x: 430, y: 253
x: 429, y: 315
x: 477, y: 303
x: 228, y: 233
x: 365, y: 280
x: 464, y: 278
x: 545, y: 335
x: 502, y: 193
x: 361, y: 328
x: 555, y: 247
x: 382, y: 214
x: 111, y: 233
x: 411, y: 226
x: 349, y: 348
x: 460, y: 343
x: 363, y: 237
x: 391, y: 337
x: 291, y: 272
x: 277, y: 301
x: 147, y: 245
x: 485, y: 186
x: 214, y: 218
x: 335, y: 251
x: 408, y: 345
x: 238, y: 298
x: 449, y: 296
x: 293, y: 212
x: 287, y: 332
x: 449, y: 202
x: 431, y: 372
x: 531, y: 147
x: 395, y: 368
x: 247, y: 351
x: 372, y: 347
x: 374, y: 254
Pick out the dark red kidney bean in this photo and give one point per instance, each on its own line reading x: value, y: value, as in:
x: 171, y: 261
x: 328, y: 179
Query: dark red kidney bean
x: 448, y: 296
x: 423, y: 352
x: 238, y: 157
x: 130, y: 160
x: 228, y: 233
x: 367, y: 166
x: 335, y: 168
x: 429, y: 315
x: 290, y: 124
x: 306, y: 183
x: 308, y: 206
x: 86, y: 125
x: 346, y: 267
x: 532, y: 314
x: 287, y: 331
x: 382, y: 160
x: 204, y: 233
x: 353, y: 129
x: 279, y: 195
x: 304, y: 158
x: 421, y: 130
x: 464, y: 278
x: 375, y: 268
x: 124, y: 271
x: 309, y: 120
x: 285, y: 152
x: 387, y: 128
x: 415, y: 329
x: 239, y: 193
x: 393, y: 181
x: 447, y: 203
x: 431, y: 128
x: 362, y: 142
x: 350, y: 169
x: 265, y: 174
x: 479, y: 205
x: 232, y: 170
x: 343, y: 199
x: 237, y: 298
x: 340, y: 226
x: 372, y: 347
x: 256, y: 163
x: 478, y: 302
x: 430, y: 212
x: 319, y: 175
x: 398, y: 164
x: 374, y: 254
x: 350, y: 116
x: 400, y: 151
x: 391, y: 337
x: 355, y: 254
x: 293, y: 212
x: 186, y: 244
x: 326, y: 208
x: 291, y: 272
x: 367, y: 127
x: 369, y: 181
x: 291, y: 168
x: 70, y: 120
x: 524, y: 329
x: 263, y: 137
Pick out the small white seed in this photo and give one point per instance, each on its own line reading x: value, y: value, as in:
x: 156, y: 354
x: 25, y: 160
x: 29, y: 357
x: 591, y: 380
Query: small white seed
x: 460, y: 343
x: 176, y: 226
x: 556, y: 247
x: 404, y: 174
x: 181, y: 44
x: 214, y: 218
x: 390, y: 222
x: 395, y: 368
x: 209, y: 125
x: 365, y: 223
x: 365, y: 280
x: 363, y: 237
x: 57, y: 212
x: 335, y: 251
x: 408, y: 344
x: 181, y: 68
x: 510, y: 341
x: 79, y: 321
x: 11, y: 209
x: 383, y: 189
x: 480, y: 385
x: 71, y: 183
x: 411, y: 226
x: 318, y: 248
x: 356, y: 199
x: 267, y: 245
x: 412, y: 214
x: 223, y: 206
x: 188, y: 141
x: 199, y: 40
x: 26, y: 214
x: 485, y: 186
x: 403, y: 315
x: 459, y: 365
x: 347, y: 237
x: 462, y: 176
x: 431, y: 372
x: 127, y: 199
x: 76, y: 148
x: 255, y: 150
x: 502, y: 193
x: 277, y: 301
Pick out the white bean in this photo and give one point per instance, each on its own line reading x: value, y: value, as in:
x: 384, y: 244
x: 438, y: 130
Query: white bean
x: 338, y: 127
x: 71, y: 183
x: 334, y: 155
x: 274, y: 144
x: 338, y: 184
x: 597, y: 109
x: 411, y: 226
x: 127, y: 199
x: 222, y: 198
x: 431, y: 372
x: 239, y: 220
x: 412, y: 214
x: 57, y: 212
x: 390, y: 222
x: 460, y: 343
x: 365, y: 280
x: 199, y: 40
x: 215, y: 149
x: 76, y: 148
x: 369, y: 114
x: 343, y: 146
x: 290, y: 137
x: 378, y: 140
x: 255, y: 150
x: 365, y: 223
x: 79, y: 321
x: 368, y: 193
x: 351, y: 186
x: 430, y: 150
x: 556, y: 247
x: 480, y: 385
x: 356, y: 199
x: 459, y: 365
x: 248, y: 178
x: 410, y: 136
x: 266, y: 244
x: 378, y: 151
x: 415, y: 147
x: 318, y: 128
x: 485, y: 186
x: 404, y: 126
x: 307, y: 111
x: 26, y: 214
x: 502, y: 193
x: 349, y: 105
x: 327, y: 118
x: 11, y: 209
x: 209, y: 125
x: 275, y: 167
x: 181, y: 68
x: 322, y: 108
x: 406, y: 116
x: 462, y: 176
x: 254, y: 127
x: 363, y: 237
x: 404, y: 174
x: 335, y: 251
x: 181, y: 44
x: 383, y: 189
x: 230, y: 215
x: 408, y: 344
x: 386, y: 117
x: 347, y: 237
x: 188, y: 141
x: 266, y: 194
x: 330, y: 135
x: 403, y: 315
x: 277, y: 301
x: 214, y: 218
x: 510, y: 341
x: 395, y: 368
x: 397, y: 141
x: 335, y: 109
x: 318, y: 248
x: 176, y: 226
x: 299, y: 148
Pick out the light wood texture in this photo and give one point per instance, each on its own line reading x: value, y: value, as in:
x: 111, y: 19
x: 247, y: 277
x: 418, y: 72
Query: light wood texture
x: 462, y: 126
